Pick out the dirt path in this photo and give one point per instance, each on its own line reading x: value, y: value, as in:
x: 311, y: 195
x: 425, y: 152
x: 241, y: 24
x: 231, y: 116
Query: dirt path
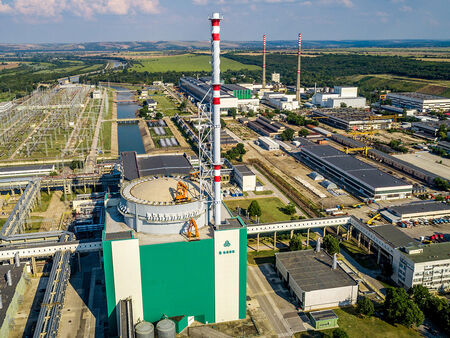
x: 176, y: 133
x: 149, y: 145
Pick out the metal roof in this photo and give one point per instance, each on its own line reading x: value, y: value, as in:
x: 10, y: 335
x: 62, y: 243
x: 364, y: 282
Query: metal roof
x: 418, y: 207
x: 27, y: 168
x: 323, y: 315
x: 163, y: 165
x: 351, y: 166
x: 393, y: 235
x: 129, y: 165
x: 313, y: 270
x: 432, y: 252
x: 244, y: 170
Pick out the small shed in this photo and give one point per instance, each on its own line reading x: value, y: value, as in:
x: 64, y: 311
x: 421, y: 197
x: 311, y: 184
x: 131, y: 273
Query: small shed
x: 325, y: 319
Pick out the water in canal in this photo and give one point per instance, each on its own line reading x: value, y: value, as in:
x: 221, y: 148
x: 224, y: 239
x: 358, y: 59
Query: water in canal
x: 129, y: 137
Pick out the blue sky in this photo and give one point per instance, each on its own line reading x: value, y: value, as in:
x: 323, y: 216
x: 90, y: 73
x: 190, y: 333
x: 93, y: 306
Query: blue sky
x: 35, y: 21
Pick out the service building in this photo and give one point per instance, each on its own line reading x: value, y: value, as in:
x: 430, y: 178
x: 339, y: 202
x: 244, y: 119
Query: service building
x: 421, y: 102
x: 245, y: 177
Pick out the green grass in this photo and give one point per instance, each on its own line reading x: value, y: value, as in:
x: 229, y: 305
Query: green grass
x: 3, y: 221
x: 45, y: 202
x: 35, y: 224
x: 264, y: 192
x: 185, y: 63
x: 370, y: 327
x: 271, y: 208
x: 261, y: 257
x: 165, y: 105
x: 361, y: 256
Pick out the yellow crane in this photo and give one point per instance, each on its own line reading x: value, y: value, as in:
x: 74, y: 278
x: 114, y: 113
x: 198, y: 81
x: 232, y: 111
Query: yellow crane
x: 363, y: 149
x: 383, y: 117
x: 193, y: 226
x: 358, y: 205
x: 370, y: 221
x: 182, y: 193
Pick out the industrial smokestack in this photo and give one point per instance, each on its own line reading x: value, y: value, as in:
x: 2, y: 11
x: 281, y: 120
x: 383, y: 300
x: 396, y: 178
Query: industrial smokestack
x: 264, y: 62
x: 318, y: 245
x: 17, y: 259
x: 1, y: 302
x: 215, y: 83
x: 8, y: 278
x: 298, y: 66
x: 334, y: 261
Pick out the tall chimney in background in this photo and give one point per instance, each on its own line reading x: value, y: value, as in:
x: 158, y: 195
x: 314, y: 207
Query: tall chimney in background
x: 215, y: 111
x: 298, y: 66
x: 264, y: 62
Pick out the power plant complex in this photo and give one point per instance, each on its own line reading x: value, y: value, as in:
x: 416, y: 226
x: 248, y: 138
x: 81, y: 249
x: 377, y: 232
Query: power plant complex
x: 171, y: 249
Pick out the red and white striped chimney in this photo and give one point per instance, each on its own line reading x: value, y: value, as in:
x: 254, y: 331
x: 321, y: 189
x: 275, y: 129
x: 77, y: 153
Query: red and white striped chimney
x: 264, y: 62
x: 215, y: 83
x: 298, y: 66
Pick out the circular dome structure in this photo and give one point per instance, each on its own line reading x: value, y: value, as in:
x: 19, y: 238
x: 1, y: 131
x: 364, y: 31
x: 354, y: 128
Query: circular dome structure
x: 149, y: 205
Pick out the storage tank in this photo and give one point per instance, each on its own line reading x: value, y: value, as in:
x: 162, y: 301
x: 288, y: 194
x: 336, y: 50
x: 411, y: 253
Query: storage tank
x: 166, y: 329
x: 144, y: 330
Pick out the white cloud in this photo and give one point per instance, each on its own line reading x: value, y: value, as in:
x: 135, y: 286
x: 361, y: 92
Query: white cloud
x: 85, y: 8
x: 405, y: 8
x: 345, y: 3
x: 383, y: 16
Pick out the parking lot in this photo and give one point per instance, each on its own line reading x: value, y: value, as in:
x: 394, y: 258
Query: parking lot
x: 426, y: 230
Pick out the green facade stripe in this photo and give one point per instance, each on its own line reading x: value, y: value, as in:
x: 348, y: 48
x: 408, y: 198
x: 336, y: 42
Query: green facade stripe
x: 242, y: 273
x: 109, y: 285
x: 178, y: 279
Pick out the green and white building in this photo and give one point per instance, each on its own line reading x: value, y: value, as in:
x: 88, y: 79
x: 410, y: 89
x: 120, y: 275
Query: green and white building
x: 167, y: 275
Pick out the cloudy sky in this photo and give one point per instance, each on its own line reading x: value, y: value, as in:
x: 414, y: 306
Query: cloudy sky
x: 28, y: 21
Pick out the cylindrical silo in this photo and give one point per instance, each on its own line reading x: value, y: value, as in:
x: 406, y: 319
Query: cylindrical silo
x: 166, y: 329
x: 144, y: 330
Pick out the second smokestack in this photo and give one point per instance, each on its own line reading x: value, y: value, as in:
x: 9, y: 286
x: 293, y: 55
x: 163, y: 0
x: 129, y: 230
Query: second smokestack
x: 298, y: 67
x: 264, y: 63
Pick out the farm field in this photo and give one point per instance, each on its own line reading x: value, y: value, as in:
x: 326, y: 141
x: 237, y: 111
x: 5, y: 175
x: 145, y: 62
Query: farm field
x: 186, y: 62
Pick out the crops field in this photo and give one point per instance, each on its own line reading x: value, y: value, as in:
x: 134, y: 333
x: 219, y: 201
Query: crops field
x: 187, y: 62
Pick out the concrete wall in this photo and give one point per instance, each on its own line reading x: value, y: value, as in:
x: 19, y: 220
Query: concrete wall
x: 326, y: 298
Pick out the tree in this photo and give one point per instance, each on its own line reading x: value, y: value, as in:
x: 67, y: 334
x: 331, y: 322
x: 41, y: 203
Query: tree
x: 287, y: 134
x: 76, y: 164
x: 289, y: 209
x: 232, y: 112
x: 420, y: 295
x: 158, y: 116
x: 241, y: 148
x: 442, y: 132
x: 343, y: 105
x: 339, y: 333
x: 222, y: 124
x: 441, y: 183
x: 295, y: 243
x: 303, y: 132
x: 331, y: 244
x: 364, y: 306
x: 254, y: 209
x: 399, y: 308
x: 182, y: 105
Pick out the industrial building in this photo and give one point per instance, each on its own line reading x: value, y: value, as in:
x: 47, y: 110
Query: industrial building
x: 352, y: 174
x: 280, y: 101
x: 325, y: 319
x: 245, y: 177
x: 28, y: 170
x: 266, y: 127
x: 12, y: 289
x: 421, y: 102
x: 347, y: 96
x: 351, y: 119
x: 267, y: 143
x: 231, y: 96
x: 416, y: 210
x: 315, y: 280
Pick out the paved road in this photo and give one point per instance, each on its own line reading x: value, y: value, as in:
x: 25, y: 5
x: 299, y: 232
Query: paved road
x: 274, y: 300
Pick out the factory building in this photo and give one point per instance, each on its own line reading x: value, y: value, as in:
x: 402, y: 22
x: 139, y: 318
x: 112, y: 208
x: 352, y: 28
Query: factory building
x: 28, y: 170
x: 266, y: 127
x: 267, y: 143
x: 421, y: 102
x: 280, y: 101
x: 416, y: 210
x: 315, y: 280
x: 340, y: 96
x: 231, y: 96
x: 245, y: 177
x: 351, y: 119
x: 149, y: 258
x: 359, y: 178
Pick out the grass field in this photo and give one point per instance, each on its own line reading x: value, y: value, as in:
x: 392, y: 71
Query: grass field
x: 187, y: 62
x: 165, y: 105
x: 45, y: 202
x: 271, y: 208
x: 368, y: 327
x: 362, y: 257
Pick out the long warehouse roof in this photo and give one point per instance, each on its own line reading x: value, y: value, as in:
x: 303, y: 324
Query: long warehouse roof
x: 354, y: 167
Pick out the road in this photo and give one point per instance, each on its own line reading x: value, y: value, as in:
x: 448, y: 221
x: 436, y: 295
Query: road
x: 274, y: 300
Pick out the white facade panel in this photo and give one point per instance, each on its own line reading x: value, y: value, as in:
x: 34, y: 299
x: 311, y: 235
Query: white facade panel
x: 126, y: 262
x: 226, y: 274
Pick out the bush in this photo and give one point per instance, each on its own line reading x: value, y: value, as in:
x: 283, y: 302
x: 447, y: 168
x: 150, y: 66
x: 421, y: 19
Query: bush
x: 364, y: 306
x: 339, y: 333
x: 254, y: 209
x: 331, y: 244
x: 295, y: 243
x: 289, y: 209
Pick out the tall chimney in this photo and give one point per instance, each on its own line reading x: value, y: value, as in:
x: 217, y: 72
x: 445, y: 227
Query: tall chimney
x: 334, y: 261
x: 215, y: 83
x: 318, y: 244
x: 298, y: 66
x: 1, y: 302
x: 264, y: 62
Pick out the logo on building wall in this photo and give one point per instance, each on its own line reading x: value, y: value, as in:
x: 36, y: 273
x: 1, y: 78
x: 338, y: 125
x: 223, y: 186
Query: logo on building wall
x: 227, y: 244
